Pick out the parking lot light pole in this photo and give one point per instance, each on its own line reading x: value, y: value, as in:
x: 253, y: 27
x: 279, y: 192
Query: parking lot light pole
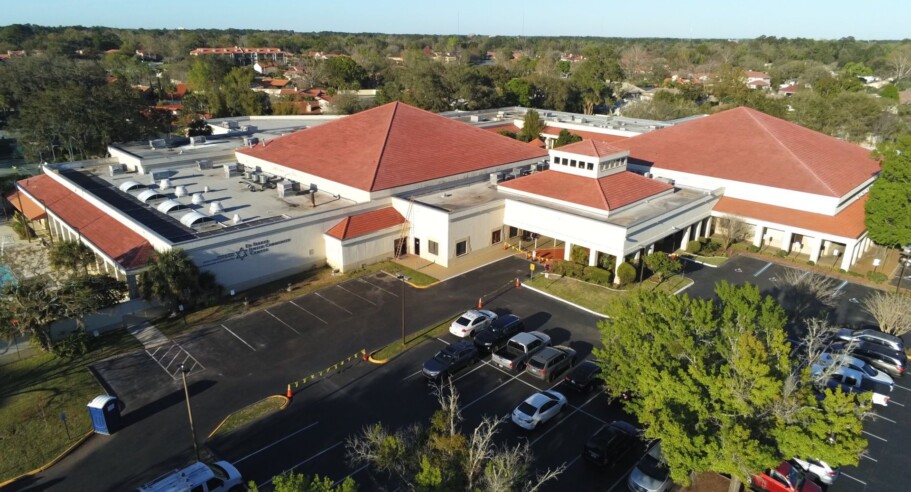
x: 186, y: 393
x: 401, y: 277
x: 905, y: 260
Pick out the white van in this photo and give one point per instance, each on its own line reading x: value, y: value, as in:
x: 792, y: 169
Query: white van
x: 220, y: 476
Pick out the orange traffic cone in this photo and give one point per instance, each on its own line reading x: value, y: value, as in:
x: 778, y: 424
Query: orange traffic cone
x: 364, y: 354
x: 518, y: 284
x: 480, y: 303
x: 288, y: 393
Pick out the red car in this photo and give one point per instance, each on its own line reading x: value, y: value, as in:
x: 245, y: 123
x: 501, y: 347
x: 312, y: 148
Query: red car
x: 785, y: 478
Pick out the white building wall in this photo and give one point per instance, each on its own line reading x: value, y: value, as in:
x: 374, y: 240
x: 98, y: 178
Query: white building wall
x: 808, y: 202
x: 364, y: 250
x: 476, y: 227
x: 581, y: 231
x: 428, y: 224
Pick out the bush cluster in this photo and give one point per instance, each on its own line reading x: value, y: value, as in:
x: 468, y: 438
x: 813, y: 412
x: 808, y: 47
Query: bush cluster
x: 878, y: 277
x: 595, y: 275
x: 694, y: 246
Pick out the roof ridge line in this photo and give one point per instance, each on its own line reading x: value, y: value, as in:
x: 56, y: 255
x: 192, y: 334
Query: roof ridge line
x: 788, y: 149
x: 379, y: 159
x: 607, y: 205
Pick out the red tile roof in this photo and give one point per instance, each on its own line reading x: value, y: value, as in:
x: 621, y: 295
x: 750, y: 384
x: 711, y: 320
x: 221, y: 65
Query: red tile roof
x: 507, y: 127
x: 390, y: 146
x: 591, y: 148
x: 602, y: 137
x: 31, y: 209
x: 788, y: 89
x: 756, y: 75
x: 759, y: 83
x: 365, y: 223
x: 107, y: 234
x: 607, y: 193
x: 745, y: 145
x: 848, y: 223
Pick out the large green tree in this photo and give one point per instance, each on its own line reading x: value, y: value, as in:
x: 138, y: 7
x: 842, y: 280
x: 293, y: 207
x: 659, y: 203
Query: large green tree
x: 343, y: 72
x: 173, y: 279
x: 715, y: 382
x: 70, y: 256
x: 532, y: 126
x: 888, y: 209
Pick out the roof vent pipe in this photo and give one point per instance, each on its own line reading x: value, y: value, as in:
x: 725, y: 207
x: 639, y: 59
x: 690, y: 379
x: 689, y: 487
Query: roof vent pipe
x: 215, y: 208
x: 237, y: 220
x: 198, y: 199
x: 164, y: 184
x: 180, y: 191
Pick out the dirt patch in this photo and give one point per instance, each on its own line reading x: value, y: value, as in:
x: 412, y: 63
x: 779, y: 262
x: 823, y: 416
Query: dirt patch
x: 708, y: 482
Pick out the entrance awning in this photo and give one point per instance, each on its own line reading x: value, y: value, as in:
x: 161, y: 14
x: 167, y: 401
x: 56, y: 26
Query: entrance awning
x: 26, y: 206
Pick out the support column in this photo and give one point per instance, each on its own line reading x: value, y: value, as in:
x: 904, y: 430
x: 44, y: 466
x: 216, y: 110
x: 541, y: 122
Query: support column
x: 757, y: 235
x: 592, y: 257
x: 638, y: 256
x: 620, y: 260
x: 567, y: 248
x: 815, y: 246
x: 709, y: 222
x: 848, y: 258
x: 651, y: 249
x: 686, y: 237
x: 786, y: 241
x: 698, y: 233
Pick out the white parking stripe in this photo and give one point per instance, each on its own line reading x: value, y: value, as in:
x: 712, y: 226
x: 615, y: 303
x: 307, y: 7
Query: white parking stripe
x: 877, y: 416
x: 368, y: 301
x: 469, y: 372
x: 893, y: 402
x: 411, y: 375
x: 239, y: 338
x: 444, y: 341
x: 504, y: 383
x: 308, y: 312
x: 260, y: 450
x: 282, y: 322
x: 874, y: 435
x: 599, y: 419
x: 766, y: 267
x: 393, y: 294
x: 852, y: 478
x: 330, y: 302
x: 902, y: 387
x: 841, y: 286
x: 865, y: 455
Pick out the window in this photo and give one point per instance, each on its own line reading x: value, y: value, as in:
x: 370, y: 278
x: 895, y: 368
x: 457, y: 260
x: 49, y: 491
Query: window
x: 590, y: 166
x: 462, y: 248
x: 496, y: 236
x: 513, y: 231
x: 433, y: 247
x: 572, y: 163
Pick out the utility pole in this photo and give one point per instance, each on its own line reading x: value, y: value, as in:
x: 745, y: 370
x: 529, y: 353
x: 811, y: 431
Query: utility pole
x: 186, y: 392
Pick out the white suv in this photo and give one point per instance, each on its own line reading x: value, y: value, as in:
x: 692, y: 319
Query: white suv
x: 816, y: 470
x: 471, y: 322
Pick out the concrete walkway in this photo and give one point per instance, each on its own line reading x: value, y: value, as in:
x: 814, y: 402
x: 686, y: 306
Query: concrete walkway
x: 457, y: 266
x: 148, y: 335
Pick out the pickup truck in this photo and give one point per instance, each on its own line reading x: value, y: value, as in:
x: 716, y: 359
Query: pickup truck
x: 853, y: 381
x: 519, y: 349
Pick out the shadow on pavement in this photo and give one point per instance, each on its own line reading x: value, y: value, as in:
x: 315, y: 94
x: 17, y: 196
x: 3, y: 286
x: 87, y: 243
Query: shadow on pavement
x: 169, y: 400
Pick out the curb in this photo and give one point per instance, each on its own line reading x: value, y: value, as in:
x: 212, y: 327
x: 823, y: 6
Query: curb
x: 376, y: 361
x: 285, y: 403
x: 693, y: 260
x: 51, y: 463
x: 687, y: 286
x: 524, y: 286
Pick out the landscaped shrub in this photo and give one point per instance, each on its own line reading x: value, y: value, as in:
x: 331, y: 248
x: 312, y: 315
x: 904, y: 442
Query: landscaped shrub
x: 626, y: 273
x: 694, y: 246
x: 710, y: 246
x: 753, y: 248
x: 579, y: 255
x: 568, y: 268
x: 599, y: 276
x: 811, y: 263
x: 781, y: 253
x: 855, y: 274
x: 878, y: 277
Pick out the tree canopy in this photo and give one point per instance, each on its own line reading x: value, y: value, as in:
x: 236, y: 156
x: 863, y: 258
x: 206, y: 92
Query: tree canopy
x: 888, y: 209
x: 715, y: 382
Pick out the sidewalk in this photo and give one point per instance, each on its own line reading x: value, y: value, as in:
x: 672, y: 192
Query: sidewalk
x: 457, y: 266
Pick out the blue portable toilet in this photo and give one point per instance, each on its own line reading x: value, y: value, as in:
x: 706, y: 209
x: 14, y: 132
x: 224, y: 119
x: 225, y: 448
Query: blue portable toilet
x: 104, y: 411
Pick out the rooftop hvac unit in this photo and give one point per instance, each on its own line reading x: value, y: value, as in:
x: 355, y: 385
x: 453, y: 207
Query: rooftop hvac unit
x: 496, y: 178
x: 285, y: 188
x: 116, y: 169
x: 236, y: 220
x: 197, y: 140
x: 251, y: 141
x: 164, y: 184
x: 649, y: 175
x: 249, y: 174
x: 216, y: 208
x: 198, y: 199
x: 249, y: 128
x: 180, y: 191
x: 231, y: 124
x: 205, y: 189
x: 230, y: 170
x: 263, y: 179
x: 475, y: 118
x: 204, y: 164
x: 130, y: 185
x: 159, y: 174
x: 313, y: 188
x: 158, y: 143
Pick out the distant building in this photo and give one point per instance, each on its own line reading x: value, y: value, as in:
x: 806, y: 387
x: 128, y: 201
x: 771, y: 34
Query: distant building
x: 244, y: 56
x: 758, y: 80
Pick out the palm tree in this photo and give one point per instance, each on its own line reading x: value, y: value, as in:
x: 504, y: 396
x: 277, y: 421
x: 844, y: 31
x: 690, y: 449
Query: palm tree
x: 72, y: 256
x: 173, y: 279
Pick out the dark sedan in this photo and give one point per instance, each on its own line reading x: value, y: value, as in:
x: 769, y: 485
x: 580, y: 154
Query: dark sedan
x: 450, y: 360
x: 611, y: 443
x: 584, y: 377
x: 498, y: 333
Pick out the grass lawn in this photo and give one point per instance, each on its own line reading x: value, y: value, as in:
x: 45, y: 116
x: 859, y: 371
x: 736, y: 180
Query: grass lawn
x: 597, y: 297
x: 392, y: 349
x: 33, y: 393
x: 250, y: 414
x: 709, y: 260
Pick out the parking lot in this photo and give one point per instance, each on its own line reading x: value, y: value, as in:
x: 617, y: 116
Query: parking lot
x: 253, y: 356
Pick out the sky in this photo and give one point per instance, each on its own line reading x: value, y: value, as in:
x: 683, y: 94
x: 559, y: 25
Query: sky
x: 725, y: 19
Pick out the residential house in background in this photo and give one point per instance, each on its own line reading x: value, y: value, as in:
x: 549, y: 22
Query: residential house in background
x: 758, y: 80
x: 244, y: 56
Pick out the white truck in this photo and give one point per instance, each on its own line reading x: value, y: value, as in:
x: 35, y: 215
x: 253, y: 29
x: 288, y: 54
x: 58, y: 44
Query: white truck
x: 853, y: 381
x: 220, y: 476
x: 519, y: 349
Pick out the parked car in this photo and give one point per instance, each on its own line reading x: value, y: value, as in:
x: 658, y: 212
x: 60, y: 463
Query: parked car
x: 472, y: 321
x: 870, y: 335
x: 879, y: 356
x: 584, y: 377
x: 500, y: 330
x: 853, y: 381
x: 816, y: 470
x: 519, y: 349
x: 220, y: 476
x: 860, y: 365
x: 538, y: 408
x: 651, y: 473
x: 611, y: 443
x: 450, y: 360
x: 550, y: 362
x: 785, y: 478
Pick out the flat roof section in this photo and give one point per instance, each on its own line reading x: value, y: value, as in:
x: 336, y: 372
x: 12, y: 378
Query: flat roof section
x: 461, y: 197
x: 233, y: 194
